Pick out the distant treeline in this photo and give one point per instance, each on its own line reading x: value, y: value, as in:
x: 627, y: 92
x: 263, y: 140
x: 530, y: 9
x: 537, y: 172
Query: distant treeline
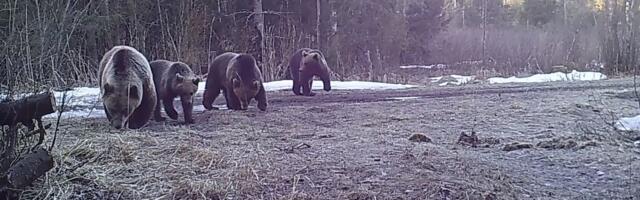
x: 59, y: 43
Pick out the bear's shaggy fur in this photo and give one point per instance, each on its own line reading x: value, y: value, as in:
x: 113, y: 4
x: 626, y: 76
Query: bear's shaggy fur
x: 126, y: 87
x: 304, y: 64
x: 240, y: 80
x: 174, y: 79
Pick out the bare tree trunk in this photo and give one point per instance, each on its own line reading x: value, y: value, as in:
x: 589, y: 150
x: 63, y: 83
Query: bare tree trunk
x: 369, y: 65
x: 464, y: 7
x: 259, y: 21
x: 318, y: 35
x: 564, y: 11
x: 484, y: 33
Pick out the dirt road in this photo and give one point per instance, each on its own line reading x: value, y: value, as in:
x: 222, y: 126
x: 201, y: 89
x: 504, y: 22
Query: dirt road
x: 355, y: 145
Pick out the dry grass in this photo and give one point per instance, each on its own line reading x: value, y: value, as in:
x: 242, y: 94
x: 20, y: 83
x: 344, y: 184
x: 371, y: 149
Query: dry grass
x: 320, y: 148
x: 134, y: 165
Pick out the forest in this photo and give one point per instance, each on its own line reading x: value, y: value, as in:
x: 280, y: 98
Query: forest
x: 59, y: 43
x: 423, y: 99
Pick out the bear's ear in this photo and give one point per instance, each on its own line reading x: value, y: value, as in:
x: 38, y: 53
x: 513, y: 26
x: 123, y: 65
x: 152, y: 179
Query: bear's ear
x: 196, y: 81
x: 236, y: 83
x: 256, y: 84
x: 179, y: 78
x: 305, y: 53
x: 133, y: 91
x: 316, y: 57
x: 107, y: 88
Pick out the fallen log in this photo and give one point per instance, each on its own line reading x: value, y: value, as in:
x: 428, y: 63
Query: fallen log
x: 32, y: 107
x: 26, y: 110
x: 29, y: 168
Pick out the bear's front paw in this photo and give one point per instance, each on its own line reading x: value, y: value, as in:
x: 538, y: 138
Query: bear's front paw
x: 173, y: 116
x: 160, y: 119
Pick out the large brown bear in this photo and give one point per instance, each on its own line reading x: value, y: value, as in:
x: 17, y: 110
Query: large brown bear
x: 305, y: 64
x: 174, y: 79
x: 126, y: 87
x: 239, y: 78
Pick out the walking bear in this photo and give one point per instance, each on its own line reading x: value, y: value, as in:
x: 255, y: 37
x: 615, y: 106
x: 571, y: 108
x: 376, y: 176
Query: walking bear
x: 174, y: 79
x: 126, y: 87
x: 305, y: 64
x: 240, y: 80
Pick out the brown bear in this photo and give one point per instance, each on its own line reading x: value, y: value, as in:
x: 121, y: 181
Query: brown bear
x: 126, y: 87
x: 174, y: 79
x: 305, y: 64
x: 240, y: 80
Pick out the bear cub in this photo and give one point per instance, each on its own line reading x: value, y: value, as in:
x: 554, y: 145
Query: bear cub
x: 174, y: 79
x: 240, y: 80
x: 304, y: 65
x: 126, y: 87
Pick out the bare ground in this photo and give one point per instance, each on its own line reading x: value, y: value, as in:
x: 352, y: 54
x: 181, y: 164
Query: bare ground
x: 355, y: 145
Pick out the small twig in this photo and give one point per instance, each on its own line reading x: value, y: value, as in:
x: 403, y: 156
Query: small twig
x: 55, y: 133
x: 302, y: 145
x: 77, y: 166
x: 42, y: 131
x: 635, y: 85
x: 95, y: 103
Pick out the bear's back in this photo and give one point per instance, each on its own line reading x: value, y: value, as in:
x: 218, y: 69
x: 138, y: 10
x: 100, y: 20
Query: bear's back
x: 218, y: 68
x: 245, y: 66
x: 137, y: 64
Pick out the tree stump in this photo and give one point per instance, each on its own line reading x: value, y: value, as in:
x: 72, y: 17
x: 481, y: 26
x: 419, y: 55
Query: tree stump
x: 29, y: 168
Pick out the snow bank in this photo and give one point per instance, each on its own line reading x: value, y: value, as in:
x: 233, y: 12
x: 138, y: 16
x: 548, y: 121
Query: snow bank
x: 558, y: 76
x: 452, y: 80
x: 338, y: 85
x: 335, y: 85
x: 435, y: 66
x: 628, y: 123
x: 85, y: 102
x: 403, y: 98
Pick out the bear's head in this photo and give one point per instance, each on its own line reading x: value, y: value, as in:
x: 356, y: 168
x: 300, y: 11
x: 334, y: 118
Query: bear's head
x: 314, y: 62
x: 245, y: 91
x: 246, y: 82
x: 185, y: 86
x: 120, y: 100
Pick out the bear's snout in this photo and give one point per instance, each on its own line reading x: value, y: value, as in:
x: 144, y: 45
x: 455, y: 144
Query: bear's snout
x: 117, y: 124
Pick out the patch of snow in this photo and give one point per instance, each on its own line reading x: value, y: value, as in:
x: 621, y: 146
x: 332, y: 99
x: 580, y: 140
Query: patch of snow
x: 434, y: 66
x: 557, y: 76
x: 475, y: 62
x: 78, y: 113
x: 403, y: 98
x: 452, y: 80
x: 82, y: 96
x: 628, y: 123
x: 84, y: 102
x: 338, y: 85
